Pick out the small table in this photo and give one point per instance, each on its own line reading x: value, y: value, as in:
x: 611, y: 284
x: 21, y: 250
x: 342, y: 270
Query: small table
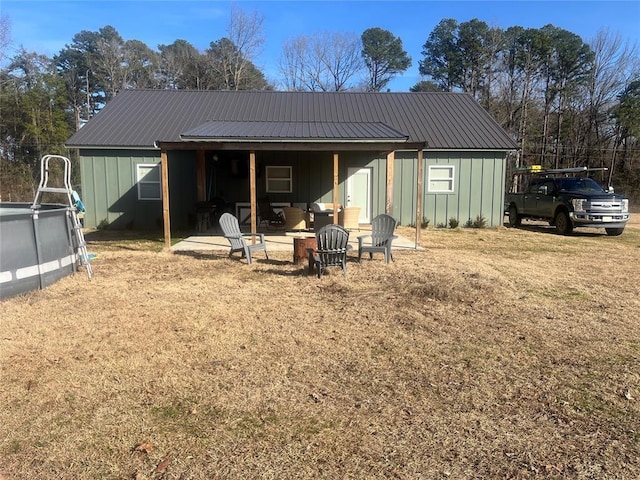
x: 320, y: 219
x: 300, y: 245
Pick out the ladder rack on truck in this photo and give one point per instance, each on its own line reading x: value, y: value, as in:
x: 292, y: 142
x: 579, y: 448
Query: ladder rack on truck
x: 518, y: 181
x: 538, y: 170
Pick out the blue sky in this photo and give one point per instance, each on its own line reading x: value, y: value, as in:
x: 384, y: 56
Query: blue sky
x: 45, y: 26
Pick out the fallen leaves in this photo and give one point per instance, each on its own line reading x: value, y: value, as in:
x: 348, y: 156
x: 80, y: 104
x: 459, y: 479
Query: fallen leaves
x: 554, y: 468
x: 144, y: 447
x: 163, y: 465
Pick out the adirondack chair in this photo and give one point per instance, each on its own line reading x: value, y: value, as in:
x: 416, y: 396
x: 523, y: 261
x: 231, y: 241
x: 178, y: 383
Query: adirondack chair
x: 239, y: 242
x: 268, y: 215
x: 381, y: 237
x: 332, y: 245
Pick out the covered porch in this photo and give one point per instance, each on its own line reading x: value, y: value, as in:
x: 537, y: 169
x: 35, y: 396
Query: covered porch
x: 255, y: 139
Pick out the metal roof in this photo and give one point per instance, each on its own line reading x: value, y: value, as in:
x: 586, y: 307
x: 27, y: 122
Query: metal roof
x: 294, y: 132
x: 141, y: 118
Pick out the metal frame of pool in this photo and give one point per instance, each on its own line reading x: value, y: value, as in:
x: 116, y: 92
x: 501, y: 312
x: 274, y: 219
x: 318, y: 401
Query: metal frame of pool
x: 37, y: 246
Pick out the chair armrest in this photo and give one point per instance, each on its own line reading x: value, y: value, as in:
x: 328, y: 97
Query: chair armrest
x: 361, y: 239
x: 259, y: 235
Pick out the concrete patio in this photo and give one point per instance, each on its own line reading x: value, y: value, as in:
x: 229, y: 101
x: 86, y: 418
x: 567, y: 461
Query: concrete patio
x: 276, y: 241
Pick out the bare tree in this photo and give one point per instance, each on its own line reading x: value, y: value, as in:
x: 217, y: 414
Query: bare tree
x: 343, y: 59
x: 322, y: 62
x: 293, y: 63
x: 5, y: 35
x: 109, y: 60
x: 612, y: 70
x: 245, y: 31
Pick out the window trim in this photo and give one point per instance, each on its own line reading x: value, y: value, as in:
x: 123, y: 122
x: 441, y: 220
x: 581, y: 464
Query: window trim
x: 268, y: 177
x: 450, y: 178
x: 140, y: 181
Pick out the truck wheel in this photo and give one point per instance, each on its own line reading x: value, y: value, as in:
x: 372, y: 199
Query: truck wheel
x: 514, y: 218
x: 614, y: 232
x: 563, y: 223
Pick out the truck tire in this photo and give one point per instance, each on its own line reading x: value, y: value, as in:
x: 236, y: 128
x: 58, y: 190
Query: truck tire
x: 614, y: 232
x: 514, y: 219
x: 563, y: 223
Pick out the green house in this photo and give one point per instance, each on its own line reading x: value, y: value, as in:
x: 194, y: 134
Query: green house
x: 151, y: 155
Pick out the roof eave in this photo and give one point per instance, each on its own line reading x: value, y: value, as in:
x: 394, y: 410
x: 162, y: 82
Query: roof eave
x: 111, y: 147
x: 228, y: 144
x: 292, y: 140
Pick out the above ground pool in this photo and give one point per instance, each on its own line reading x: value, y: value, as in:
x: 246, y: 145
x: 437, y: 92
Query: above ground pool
x: 37, y: 246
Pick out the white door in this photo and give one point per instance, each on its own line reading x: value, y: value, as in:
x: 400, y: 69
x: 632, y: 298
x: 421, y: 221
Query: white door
x: 359, y: 191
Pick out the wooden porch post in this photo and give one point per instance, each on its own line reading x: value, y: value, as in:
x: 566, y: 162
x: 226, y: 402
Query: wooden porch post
x: 335, y: 188
x: 164, y: 165
x: 201, y: 176
x: 388, y: 208
x: 419, y: 198
x: 252, y: 194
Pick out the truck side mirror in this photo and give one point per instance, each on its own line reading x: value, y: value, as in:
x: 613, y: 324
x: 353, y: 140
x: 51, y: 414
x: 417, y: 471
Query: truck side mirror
x: 544, y: 190
x: 610, y: 189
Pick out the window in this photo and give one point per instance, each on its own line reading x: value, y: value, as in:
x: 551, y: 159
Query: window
x: 279, y: 180
x: 441, y: 178
x: 149, y: 181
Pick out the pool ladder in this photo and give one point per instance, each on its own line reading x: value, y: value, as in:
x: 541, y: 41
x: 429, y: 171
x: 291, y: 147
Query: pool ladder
x: 44, y: 187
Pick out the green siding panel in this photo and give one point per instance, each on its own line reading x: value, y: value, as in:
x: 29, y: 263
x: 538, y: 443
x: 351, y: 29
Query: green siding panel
x: 478, y: 188
x: 110, y: 193
x: 405, y: 187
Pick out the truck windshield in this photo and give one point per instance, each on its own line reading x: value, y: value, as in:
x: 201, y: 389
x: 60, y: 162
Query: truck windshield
x: 578, y: 185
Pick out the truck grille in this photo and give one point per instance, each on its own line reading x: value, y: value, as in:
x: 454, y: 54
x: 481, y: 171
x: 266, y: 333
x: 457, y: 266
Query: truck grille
x: 605, y: 206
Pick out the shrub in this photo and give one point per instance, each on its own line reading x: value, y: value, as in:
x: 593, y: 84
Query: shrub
x: 424, y: 224
x: 453, y: 222
x: 480, y: 222
x: 103, y: 225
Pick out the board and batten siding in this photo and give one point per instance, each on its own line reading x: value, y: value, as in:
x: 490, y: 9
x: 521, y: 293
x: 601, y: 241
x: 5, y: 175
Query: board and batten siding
x: 109, y: 189
x: 313, y: 175
x: 478, y: 188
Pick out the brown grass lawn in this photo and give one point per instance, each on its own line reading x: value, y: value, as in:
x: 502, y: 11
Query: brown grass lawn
x: 490, y: 354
